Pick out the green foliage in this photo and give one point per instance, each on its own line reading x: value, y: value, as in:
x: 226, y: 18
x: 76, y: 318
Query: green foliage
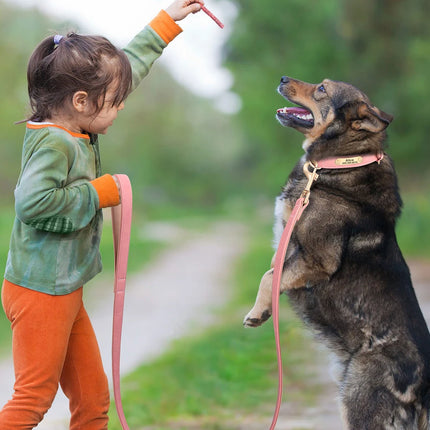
x: 381, y: 46
x: 18, y: 31
x: 389, y: 46
x: 183, y: 156
x: 413, y: 230
x: 6, y: 219
x: 177, y: 149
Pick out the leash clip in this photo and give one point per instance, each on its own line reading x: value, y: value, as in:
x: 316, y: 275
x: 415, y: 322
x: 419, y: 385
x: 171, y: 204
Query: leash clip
x: 312, y: 176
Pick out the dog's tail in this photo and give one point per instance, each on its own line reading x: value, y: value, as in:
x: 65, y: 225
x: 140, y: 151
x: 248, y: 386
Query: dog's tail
x: 423, y: 419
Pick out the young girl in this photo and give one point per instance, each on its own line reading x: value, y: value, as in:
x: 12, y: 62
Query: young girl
x: 77, y: 85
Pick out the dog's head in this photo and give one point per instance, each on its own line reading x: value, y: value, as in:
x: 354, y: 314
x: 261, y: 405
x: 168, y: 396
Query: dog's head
x: 335, y: 117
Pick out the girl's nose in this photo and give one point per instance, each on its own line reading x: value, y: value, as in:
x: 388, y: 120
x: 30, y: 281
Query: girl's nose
x: 121, y: 106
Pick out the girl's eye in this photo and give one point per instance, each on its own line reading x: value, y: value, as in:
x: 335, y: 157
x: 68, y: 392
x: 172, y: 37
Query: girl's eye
x: 321, y: 88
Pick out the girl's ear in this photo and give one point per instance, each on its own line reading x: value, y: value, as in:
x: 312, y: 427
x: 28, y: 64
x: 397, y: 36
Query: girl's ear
x: 80, y: 101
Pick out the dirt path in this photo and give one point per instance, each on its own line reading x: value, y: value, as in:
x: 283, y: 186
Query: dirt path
x: 176, y: 295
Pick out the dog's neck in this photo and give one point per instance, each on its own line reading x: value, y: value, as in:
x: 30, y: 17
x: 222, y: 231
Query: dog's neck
x: 317, y: 149
x: 306, y: 144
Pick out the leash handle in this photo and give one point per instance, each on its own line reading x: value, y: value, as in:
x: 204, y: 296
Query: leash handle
x: 121, y: 227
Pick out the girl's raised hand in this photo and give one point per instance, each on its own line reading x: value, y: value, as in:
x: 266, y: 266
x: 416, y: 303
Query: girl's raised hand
x: 179, y: 9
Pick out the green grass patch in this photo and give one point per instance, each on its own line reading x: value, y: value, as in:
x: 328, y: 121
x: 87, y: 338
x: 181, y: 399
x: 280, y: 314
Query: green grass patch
x: 413, y: 229
x: 205, y: 381
x: 227, y: 370
x: 6, y: 220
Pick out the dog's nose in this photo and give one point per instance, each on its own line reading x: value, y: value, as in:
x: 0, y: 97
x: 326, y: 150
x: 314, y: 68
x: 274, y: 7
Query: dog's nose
x: 285, y: 80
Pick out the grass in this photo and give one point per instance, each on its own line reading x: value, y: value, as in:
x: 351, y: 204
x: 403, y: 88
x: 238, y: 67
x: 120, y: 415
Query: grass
x: 227, y: 370
x: 6, y: 220
x: 209, y: 379
x: 206, y: 381
x: 413, y: 228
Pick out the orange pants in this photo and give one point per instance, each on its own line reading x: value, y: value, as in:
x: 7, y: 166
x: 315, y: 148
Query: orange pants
x: 53, y: 343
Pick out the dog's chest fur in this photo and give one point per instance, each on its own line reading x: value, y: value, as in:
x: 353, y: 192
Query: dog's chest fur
x: 352, y: 216
x: 285, y: 202
x: 282, y: 213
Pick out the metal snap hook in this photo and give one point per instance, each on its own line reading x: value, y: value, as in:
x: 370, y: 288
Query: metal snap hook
x: 312, y: 176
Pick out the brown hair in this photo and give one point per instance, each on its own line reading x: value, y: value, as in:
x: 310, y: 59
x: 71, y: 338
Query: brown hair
x: 75, y: 63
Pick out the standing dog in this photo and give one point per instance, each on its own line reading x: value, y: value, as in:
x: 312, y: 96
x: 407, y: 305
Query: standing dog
x: 344, y: 272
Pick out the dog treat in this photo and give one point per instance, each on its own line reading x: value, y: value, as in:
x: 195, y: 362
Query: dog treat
x: 211, y: 15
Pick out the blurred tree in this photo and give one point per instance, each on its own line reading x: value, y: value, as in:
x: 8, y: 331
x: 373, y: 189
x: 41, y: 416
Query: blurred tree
x: 18, y: 29
x: 389, y: 55
x: 294, y: 38
x: 175, y: 146
x: 381, y: 46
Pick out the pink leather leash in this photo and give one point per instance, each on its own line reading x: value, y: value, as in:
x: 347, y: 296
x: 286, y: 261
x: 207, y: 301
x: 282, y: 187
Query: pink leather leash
x: 299, y: 207
x: 121, y: 226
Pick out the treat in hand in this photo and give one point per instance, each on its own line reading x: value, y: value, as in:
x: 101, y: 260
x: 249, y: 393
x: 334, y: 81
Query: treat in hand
x: 209, y: 13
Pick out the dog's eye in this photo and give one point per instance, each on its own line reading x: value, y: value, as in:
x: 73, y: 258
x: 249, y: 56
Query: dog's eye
x: 321, y: 89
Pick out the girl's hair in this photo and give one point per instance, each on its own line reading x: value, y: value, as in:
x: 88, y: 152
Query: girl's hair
x: 61, y: 66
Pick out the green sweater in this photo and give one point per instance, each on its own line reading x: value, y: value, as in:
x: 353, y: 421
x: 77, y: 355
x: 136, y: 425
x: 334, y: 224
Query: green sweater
x: 55, y: 239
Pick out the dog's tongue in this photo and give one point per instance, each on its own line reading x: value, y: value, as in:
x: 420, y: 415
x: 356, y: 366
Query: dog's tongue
x: 294, y: 111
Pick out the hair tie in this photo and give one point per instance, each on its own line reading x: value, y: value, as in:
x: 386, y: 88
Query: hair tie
x: 57, y: 39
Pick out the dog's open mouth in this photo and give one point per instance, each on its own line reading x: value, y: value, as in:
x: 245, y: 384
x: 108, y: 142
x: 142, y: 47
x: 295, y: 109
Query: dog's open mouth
x: 297, y: 115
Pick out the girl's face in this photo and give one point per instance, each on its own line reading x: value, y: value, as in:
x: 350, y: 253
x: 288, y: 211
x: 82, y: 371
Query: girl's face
x: 100, y: 122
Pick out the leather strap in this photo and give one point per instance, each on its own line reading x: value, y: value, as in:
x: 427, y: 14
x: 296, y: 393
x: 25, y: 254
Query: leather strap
x: 348, y: 162
x: 121, y: 226
x: 299, y: 207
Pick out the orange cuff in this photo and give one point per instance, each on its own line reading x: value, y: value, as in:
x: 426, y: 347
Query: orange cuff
x: 165, y: 26
x: 107, y: 190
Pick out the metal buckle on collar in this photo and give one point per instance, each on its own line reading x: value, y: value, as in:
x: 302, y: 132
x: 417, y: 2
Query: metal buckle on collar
x: 312, y: 176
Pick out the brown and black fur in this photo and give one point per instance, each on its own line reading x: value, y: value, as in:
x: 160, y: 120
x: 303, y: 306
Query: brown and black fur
x: 344, y: 272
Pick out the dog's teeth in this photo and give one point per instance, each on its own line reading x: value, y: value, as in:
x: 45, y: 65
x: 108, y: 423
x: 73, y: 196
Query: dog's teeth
x: 305, y: 117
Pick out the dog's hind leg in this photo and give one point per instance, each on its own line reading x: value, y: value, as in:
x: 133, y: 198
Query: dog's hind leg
x: 368, y: 404
x: 423, y: 420
x: 380, y: 411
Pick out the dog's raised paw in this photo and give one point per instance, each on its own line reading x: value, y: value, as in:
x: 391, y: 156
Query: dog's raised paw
x: 251, y: 321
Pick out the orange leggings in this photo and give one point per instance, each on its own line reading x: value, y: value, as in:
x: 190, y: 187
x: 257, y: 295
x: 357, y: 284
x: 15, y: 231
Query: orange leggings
x: 53, y: 343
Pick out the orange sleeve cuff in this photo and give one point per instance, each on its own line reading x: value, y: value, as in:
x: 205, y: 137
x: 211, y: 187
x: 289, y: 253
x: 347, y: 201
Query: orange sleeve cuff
x: 165, y: 26
x: 107, y: 191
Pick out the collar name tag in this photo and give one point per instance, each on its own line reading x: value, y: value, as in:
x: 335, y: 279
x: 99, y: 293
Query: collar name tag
x: 348, y: 161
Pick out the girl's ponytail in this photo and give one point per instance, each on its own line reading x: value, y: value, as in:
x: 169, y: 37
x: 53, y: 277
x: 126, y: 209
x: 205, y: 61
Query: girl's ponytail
x: 63, y: 65
x: 38, y: 71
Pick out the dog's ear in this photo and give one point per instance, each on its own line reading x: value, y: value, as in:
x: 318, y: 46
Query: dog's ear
x: 370, y: 118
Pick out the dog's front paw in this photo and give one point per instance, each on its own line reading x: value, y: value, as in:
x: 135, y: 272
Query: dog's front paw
x: 255, y: 319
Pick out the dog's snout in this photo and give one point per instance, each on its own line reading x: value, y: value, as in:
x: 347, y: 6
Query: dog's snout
x: 285, y: 80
